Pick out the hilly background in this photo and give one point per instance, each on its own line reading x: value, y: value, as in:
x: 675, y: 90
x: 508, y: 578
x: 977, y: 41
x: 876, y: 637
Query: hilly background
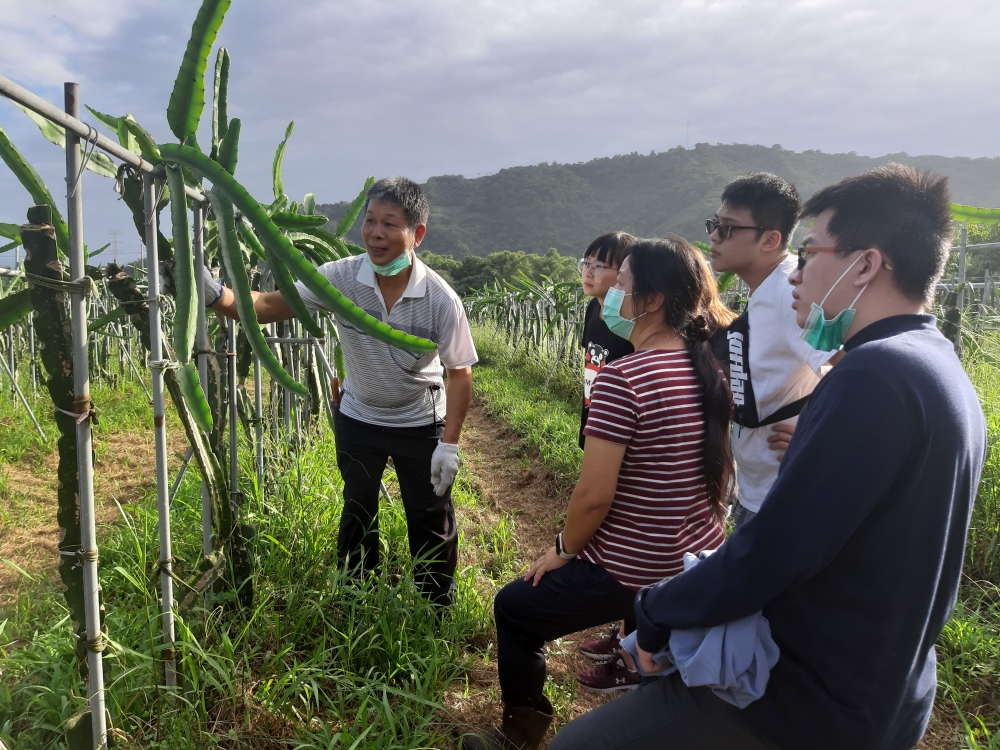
x: 566, y: 205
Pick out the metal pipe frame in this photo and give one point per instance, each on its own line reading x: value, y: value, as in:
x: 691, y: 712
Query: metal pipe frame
x: 234, y: 469
x: 84, y: 438
x: 156, y: 364
x: 201, y: 344
x: 79, y: 129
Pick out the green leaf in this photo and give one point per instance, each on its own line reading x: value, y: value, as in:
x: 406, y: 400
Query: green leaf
x: 229, y: 151
x: 109, y: 317
x: 194, y: 396
x: 31, y: 182
x: 703, y: 246
x: 9, y: 246
x: 351, y: 216
x: 107, y: 121
x: 279, y: 155
x: 147, y: 146
x: 725, y: 279
x: 11, y: 232
x: 99, y: 250
x: 126, y: 139
x: 220, y: 106
x: 98, y: 163
x: 974, y: 214
x: 309, y: 204
x: 13, y: 307
x: 291, y: 220
x: 187, y: 100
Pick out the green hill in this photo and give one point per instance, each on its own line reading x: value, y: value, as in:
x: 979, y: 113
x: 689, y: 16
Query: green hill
x: 567, y: 205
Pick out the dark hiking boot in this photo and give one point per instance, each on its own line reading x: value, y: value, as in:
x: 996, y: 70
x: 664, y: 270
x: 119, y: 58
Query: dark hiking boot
x: 604, y: 649
x: 609, y: 677
x: 522, y: 728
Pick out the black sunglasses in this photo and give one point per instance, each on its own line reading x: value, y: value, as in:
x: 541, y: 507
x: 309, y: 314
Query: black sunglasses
x: 725, y: 230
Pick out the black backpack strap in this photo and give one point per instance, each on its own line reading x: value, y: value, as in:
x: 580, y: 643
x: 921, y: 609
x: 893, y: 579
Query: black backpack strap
x: 785, y: 412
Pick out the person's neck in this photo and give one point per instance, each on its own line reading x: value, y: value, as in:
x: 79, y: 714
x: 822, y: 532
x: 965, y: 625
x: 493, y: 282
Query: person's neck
x: 756, y: 275
x: 657, y: 336
x: 883, y: 303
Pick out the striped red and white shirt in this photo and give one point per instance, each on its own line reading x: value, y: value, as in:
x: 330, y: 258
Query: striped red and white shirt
x: 651, y: 403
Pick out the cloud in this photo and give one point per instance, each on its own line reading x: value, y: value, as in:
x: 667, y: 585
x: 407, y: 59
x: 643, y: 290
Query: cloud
x: 449, y: 86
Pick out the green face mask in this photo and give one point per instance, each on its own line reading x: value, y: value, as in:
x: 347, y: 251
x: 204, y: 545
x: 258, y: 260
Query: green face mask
x: 393, y: 267
x: 828, y: 335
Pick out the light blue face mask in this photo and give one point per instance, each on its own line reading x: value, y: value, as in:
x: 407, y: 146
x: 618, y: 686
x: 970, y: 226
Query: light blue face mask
x: 393, y: 267
x: 613, y: 313
x: 828, y: 335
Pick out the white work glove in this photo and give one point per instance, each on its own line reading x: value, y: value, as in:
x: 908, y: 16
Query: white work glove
x: 212, y: 289
x: 444, y: 466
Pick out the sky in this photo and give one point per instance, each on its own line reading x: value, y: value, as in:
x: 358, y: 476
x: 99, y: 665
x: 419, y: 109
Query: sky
x: 470, y: 87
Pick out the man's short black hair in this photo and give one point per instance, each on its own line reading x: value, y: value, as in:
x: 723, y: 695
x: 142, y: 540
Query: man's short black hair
x: 899, y: 210
x: 612, y: 248
x: 404, y: 194
x: 773, y: 202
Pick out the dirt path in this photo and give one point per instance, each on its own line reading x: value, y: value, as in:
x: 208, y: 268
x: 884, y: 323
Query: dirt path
x: 29, y: 535
x: 512, y: 483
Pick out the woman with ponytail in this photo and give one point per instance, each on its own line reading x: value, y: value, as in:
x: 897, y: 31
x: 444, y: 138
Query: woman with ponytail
x: 655, y: 483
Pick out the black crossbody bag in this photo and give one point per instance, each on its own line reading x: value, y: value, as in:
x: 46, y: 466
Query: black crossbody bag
x: 731, y: 347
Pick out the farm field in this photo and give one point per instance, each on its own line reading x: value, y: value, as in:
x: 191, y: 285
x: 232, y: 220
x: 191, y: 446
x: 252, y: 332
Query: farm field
x: 322, y: 661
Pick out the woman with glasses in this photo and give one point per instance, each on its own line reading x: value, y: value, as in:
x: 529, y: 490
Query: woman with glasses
x: 599, y: 272
x: 655, y: 481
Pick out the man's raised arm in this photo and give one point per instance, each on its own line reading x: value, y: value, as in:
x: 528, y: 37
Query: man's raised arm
x: 269, y: 306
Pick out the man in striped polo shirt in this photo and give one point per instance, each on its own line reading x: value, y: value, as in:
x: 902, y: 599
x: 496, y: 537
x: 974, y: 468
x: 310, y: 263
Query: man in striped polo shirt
x: 395, y: 404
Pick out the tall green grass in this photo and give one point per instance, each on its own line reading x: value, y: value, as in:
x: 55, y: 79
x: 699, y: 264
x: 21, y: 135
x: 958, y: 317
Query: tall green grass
x: 322, y: 661
x: 511, y: 384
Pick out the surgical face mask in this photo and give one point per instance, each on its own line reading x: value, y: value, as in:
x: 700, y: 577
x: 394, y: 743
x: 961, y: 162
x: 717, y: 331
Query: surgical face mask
x: 393, y: 267
x: 828, y: 335
x: 613, y: 313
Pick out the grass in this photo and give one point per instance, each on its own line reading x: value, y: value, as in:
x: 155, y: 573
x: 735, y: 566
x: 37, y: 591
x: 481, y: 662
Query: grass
x: 511, y: 385
x: 322, y: 661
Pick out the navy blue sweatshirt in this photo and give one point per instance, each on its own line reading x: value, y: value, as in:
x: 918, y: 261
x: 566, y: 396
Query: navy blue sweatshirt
x: 856, y: 554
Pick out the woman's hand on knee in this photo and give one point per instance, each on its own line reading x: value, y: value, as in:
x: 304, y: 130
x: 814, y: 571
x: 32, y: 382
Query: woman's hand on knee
x: 549, y: 561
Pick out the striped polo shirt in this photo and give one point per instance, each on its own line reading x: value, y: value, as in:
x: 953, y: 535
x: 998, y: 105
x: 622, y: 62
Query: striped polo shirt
x: 651, y: 403
x: 388, y: 386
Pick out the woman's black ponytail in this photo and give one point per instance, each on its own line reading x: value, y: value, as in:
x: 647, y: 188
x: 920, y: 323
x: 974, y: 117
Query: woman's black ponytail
x: 676, y: 270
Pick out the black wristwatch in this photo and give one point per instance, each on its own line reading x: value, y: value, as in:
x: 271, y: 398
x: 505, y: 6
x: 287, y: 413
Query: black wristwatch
x: 562, y: 552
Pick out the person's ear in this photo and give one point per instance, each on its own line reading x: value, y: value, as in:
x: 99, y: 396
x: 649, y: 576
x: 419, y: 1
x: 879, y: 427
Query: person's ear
x: 771, y: 241
x: 418, y: 235
x: 869, y: 266
x: 650, y: 304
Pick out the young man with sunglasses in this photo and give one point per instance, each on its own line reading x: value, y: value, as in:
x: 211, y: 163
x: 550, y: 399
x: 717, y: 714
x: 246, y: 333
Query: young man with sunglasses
x: 771, y: 370
x: 856, y: 556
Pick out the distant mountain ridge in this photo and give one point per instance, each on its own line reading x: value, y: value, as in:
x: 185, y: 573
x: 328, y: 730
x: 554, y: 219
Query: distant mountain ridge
x: 566, y: 205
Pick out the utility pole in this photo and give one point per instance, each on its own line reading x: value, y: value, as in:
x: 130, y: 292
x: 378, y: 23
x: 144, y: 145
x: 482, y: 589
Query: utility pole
x: 114, y: 243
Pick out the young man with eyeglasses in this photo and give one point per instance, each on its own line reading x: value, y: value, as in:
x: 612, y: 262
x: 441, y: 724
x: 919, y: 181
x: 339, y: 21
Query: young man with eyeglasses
x: 856, y: 556
x: 771, y: 370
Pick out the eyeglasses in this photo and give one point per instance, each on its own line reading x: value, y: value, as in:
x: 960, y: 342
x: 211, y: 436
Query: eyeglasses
x: 594, y: 269
x: 803, y: 250
x: 726, y: 230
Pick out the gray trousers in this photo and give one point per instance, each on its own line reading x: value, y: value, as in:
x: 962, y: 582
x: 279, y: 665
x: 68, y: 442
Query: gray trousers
x: 665, y: 714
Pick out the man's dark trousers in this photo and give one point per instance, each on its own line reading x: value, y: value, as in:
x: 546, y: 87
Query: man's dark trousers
x: 362, y: 453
